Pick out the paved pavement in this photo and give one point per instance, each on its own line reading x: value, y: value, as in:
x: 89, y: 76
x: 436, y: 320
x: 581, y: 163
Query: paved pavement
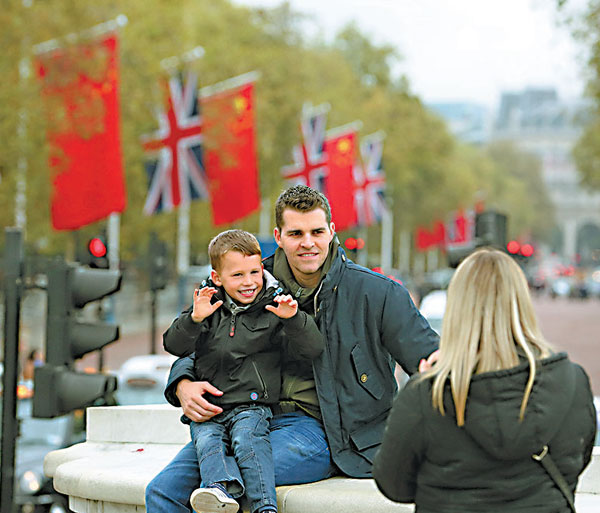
x: 573, y: 325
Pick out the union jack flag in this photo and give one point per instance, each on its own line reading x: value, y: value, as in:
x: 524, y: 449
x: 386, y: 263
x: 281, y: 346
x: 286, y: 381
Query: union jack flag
x: 177, y: 175
x: 369, y: 181
x: 310, y: 160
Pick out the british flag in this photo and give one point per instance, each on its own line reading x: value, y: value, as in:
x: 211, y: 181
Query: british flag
x: 310, y: 160
x: 369, y: 181
x: 176, y: 174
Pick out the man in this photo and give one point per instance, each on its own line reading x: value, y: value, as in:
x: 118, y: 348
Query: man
x: 331, y: 417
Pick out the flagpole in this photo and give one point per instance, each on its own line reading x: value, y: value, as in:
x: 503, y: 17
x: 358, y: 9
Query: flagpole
x: 264, y: 225
x: 97, y: 30
x: 183, y: 249
x: 173, y: 62
x: 114, y: 239
x: 353, y: 126
x: 387, y: 235
x: 362, y: 257
x: 230, y: 83
x: 113, y: 235
x: 182, y: 262
x: 404, y: 253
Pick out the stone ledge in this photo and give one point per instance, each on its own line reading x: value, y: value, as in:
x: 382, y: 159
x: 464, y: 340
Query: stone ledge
x: 110, y: 471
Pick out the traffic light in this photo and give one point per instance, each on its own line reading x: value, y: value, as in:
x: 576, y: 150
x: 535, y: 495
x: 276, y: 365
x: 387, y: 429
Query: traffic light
x: 97, y: 253
x: 354, y: 244
x: 490, y: 229
x: 157, y: 269
x: 521, y: 252
x: 59, y: 389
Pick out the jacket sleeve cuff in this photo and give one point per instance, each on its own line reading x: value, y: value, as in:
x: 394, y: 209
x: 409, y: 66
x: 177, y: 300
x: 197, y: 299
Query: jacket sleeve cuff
x: 190, y: 326
x: 297, y: 322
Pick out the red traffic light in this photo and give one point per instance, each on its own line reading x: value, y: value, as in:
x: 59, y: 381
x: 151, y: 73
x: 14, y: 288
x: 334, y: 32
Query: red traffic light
x: 360, y: 243
x: 513, y: 247
x: 526, y: 250
x: 96, y: 247
x: 350, y: 243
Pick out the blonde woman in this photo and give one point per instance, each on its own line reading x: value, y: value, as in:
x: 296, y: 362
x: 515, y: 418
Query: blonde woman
x: 460, y: 437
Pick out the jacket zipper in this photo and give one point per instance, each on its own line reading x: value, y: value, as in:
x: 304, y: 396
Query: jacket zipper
x: 232, y: 325
x: 316, y: 297
x: 260, y: 379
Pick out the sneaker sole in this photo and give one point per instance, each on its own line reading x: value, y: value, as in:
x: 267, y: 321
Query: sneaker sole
x: 206, y: 502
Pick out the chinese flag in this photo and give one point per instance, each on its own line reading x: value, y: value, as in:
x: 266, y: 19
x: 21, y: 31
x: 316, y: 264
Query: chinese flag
x: 80, y: 88
x: 341, y: 155
x: 425, y: 239
x: 230, y: 153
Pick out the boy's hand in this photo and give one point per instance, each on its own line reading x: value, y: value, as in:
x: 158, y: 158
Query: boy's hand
x: 202, y: 305
x: 286, y: 308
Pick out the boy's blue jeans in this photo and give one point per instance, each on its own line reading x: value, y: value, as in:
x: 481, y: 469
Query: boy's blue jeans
x: 300, y: 455
x: 243, y: 431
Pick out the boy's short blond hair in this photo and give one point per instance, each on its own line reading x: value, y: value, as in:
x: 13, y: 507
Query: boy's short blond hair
x: 232, y: 240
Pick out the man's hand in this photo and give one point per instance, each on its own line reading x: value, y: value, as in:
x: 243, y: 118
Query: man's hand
x: 425, y: 365
x: 286, y: 308
x: 194, y: 405
x: 202, y: 305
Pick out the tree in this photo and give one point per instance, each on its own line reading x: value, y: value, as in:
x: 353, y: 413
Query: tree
x: 429, y: 174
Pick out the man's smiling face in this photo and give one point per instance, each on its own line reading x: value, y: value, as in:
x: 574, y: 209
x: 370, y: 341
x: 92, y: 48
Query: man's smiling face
x: 304, y: 238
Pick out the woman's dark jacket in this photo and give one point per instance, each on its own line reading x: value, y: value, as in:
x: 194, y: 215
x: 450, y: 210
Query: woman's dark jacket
x: 486, y: 465
x: 367, y: 321
x: 239, y: 351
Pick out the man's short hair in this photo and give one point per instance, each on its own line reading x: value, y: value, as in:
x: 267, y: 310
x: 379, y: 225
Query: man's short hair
x: 302, y: 199
x: 232, y: 240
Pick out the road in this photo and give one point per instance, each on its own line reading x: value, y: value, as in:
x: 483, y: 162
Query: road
x: 570, y: 325
x: 573, y: 326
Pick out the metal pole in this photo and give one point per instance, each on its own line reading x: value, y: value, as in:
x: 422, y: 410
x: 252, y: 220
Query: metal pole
x: 387, y: 236
x: 404, y: 253
x: 153, y: 322
x: 265, y: 229
x: 13, y: 277
x: 362, y: 255
x: 183, y: 252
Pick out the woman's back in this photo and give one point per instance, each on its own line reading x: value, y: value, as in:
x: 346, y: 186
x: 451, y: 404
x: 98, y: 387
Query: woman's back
x: 486, y: 465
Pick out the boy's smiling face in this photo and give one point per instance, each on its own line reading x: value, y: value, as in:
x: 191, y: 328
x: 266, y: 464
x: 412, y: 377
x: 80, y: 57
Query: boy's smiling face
x: 241, y: 276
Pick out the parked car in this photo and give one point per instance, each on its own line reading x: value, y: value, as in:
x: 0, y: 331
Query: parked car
x: 432, y: 307
x: 142, y: 379
x: 597, y: 405
x: 33, y: 491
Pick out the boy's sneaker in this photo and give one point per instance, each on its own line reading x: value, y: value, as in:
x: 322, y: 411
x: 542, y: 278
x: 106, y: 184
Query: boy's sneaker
x: 213, y: 499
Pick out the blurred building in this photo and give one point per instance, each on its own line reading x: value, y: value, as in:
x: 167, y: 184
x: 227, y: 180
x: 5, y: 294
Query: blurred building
x: 537, y: 121
x: 470, y: 122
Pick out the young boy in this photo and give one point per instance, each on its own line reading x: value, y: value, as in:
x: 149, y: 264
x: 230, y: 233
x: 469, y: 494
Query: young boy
x: 238, y: 326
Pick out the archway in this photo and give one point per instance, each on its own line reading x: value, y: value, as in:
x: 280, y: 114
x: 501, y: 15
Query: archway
x: 588, y: 244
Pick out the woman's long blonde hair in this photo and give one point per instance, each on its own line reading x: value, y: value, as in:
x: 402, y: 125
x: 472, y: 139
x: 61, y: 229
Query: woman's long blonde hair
x: 489, y: 321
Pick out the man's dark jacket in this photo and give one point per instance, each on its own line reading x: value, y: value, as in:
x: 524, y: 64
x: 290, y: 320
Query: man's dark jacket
x: 486, y: 465
x: 239, y: 350
x: 367, y: 321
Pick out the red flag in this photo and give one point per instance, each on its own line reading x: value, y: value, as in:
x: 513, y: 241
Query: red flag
x: 230, y: 153
x: 80, y: 85
x: 425, y: 239
x: 341, y: 155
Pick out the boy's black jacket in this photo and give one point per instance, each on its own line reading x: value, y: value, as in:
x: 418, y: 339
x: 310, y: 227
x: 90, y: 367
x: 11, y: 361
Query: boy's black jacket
x: 240, y: 352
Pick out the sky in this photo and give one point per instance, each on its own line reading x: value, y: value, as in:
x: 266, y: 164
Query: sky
x: 462, y: 50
